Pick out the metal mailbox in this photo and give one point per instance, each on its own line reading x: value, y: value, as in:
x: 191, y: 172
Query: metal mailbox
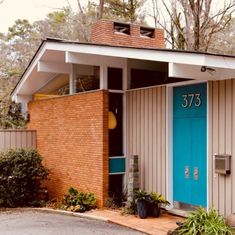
x: 222, y: 164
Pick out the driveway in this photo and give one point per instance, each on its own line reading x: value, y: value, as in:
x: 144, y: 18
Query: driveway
x: 26, y: 222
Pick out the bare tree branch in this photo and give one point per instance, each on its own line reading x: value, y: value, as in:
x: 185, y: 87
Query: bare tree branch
x: 80, y: 6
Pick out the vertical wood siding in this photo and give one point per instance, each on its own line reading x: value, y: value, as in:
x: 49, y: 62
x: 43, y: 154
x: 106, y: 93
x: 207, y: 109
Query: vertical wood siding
x: 222, y: 140
x: 17, y: 139
x: 146, y: 135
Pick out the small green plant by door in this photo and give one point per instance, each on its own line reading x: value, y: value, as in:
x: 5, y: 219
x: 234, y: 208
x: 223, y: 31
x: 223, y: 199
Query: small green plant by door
x: 201, y: 222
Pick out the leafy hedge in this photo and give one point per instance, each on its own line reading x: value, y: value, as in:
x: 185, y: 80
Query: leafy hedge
x: 21, y: 174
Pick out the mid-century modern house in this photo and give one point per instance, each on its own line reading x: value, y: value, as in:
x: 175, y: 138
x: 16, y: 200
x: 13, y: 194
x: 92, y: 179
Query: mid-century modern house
x: 94, y: 105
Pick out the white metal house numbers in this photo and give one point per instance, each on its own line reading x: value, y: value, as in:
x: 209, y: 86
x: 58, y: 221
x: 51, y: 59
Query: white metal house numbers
x: 190, y: 100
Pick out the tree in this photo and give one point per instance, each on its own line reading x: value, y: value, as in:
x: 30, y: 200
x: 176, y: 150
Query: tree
x: 123, y: 10
x: 194, y: 24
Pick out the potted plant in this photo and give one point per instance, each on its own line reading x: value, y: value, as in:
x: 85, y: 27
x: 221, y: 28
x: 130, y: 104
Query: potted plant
x: 141, y: 198
x: 156, y: 200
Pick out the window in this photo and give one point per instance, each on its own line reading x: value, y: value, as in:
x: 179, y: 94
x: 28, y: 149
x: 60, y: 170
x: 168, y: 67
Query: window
x: 147, y: 32
x: 88, y: 82
x: 114, y: 78
x: 121, y: 28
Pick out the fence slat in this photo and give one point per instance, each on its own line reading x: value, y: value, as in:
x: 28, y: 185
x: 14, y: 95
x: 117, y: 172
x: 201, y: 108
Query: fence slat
x: 17, y: 139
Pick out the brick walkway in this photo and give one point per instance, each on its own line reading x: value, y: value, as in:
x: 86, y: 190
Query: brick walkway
x: 154, y: 226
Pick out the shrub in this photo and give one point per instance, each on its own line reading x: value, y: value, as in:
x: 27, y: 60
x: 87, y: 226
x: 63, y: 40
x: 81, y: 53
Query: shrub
x: 79, y: 201
x: 21, y: 174
x: 202, y: 222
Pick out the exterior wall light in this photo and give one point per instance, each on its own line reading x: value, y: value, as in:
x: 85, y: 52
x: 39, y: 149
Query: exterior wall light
x: 112, y: 121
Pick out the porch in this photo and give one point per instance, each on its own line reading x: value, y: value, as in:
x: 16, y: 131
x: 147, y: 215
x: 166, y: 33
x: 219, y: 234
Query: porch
x: 159, y: 226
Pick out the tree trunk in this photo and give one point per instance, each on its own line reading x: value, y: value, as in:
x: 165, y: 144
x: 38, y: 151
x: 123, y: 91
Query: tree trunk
x: 197, y: 26
x: 132, y: 11
x: 101, y: 9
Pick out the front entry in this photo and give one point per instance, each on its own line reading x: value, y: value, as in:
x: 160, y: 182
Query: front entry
x: 189, y: 144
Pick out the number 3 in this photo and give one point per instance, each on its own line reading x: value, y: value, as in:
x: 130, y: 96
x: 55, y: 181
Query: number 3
x: 185, y: 104
x: 191, y: 99
x: 198, y: 101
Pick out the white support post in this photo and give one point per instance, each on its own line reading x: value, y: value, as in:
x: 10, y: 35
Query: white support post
x: 125, y: 76
x: 104, y: 77
x: 72, y: 78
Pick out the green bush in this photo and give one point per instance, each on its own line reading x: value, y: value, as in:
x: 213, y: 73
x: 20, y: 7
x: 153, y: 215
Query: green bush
x: 21, y: 174
x: 79, y: 201
x: 201, y: 222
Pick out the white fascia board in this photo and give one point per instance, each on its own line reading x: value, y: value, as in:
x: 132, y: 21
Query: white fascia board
x: 96, y: 60
x: 53, y: 67
x: 21, y: 98
x: 194, y: 72
x: 30, y: 69
x: 148, y: 54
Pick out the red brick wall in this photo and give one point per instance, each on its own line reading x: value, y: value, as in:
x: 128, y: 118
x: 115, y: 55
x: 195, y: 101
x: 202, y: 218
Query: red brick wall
x: 72, y: 137
x: 103, y: 33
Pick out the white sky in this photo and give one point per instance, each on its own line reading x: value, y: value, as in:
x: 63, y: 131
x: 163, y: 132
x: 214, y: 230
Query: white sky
x: 11, y: 10
x: 32, y: 10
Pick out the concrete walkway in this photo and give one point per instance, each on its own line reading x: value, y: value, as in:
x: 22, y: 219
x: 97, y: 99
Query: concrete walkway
x: 154, y: 226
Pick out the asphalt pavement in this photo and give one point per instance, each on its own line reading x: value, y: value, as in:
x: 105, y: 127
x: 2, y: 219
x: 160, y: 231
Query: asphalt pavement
x: 26, y: 222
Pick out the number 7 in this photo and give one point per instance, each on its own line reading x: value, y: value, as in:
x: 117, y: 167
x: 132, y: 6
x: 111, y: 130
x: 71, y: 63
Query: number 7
x: 191, y: 99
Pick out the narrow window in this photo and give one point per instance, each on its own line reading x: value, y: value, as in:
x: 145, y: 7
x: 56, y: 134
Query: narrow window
x: 114, y: 79
x: 121, y: 28
x: 147, y: 32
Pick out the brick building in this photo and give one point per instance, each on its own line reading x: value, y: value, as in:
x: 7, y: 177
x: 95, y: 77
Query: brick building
x: 94, y: 105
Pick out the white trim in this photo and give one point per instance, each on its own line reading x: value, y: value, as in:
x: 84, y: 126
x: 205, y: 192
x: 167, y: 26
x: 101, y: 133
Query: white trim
x: 147, y: 54
x: 53, y: 67
x: 169, y: 139
x: 29, y: 70
x: 116, y: 91
x: 169, y: 145
x: 124, y: 120
x: 207, y: 145
x: 116, y: 157
x: 118, y: 173
x: 103, y: 77
x: 118, y: 56
x: 91, y: 59
x: 72, y: 78
x: 195, y: 72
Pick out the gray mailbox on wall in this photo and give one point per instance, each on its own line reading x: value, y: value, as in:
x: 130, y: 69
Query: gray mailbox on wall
x: 222, y: 164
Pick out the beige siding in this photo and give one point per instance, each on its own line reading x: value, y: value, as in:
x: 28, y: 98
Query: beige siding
x: 146, y: 128
x: 222, y: 140
x: 17, y: 139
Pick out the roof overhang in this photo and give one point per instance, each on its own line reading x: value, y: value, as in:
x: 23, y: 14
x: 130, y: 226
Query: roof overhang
x: 55, y: 57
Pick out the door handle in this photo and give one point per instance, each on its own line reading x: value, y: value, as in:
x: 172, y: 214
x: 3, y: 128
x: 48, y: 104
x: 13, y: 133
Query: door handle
x: 186, y: 172
x: 195, y: 173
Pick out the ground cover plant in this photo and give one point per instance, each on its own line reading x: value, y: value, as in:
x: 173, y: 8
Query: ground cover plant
x: 202, y: 222
x: 78, y: 201
x: 21, y: 176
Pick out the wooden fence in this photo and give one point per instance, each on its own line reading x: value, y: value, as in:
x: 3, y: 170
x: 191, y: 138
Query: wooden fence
x: 17, y: 139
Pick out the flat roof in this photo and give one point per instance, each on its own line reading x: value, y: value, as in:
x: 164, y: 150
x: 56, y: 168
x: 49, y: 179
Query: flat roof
x: 142, y: 53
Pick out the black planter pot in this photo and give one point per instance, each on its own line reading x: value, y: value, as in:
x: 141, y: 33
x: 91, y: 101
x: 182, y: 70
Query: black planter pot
x: 142, y: 209
x: 155, y: 210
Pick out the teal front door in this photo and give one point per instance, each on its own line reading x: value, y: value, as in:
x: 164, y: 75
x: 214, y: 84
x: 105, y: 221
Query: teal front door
x: 189, y: 144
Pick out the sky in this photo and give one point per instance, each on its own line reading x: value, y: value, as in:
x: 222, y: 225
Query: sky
x: 11, y: 10
x: 32, y: 10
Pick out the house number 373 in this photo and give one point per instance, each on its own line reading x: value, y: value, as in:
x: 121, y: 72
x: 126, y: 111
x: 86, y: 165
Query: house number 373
x: 190, y: 100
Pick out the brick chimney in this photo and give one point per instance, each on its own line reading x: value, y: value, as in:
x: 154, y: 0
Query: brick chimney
x: 124, y: 34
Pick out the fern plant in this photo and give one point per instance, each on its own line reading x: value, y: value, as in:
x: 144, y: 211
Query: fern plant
x: 201, y: 222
